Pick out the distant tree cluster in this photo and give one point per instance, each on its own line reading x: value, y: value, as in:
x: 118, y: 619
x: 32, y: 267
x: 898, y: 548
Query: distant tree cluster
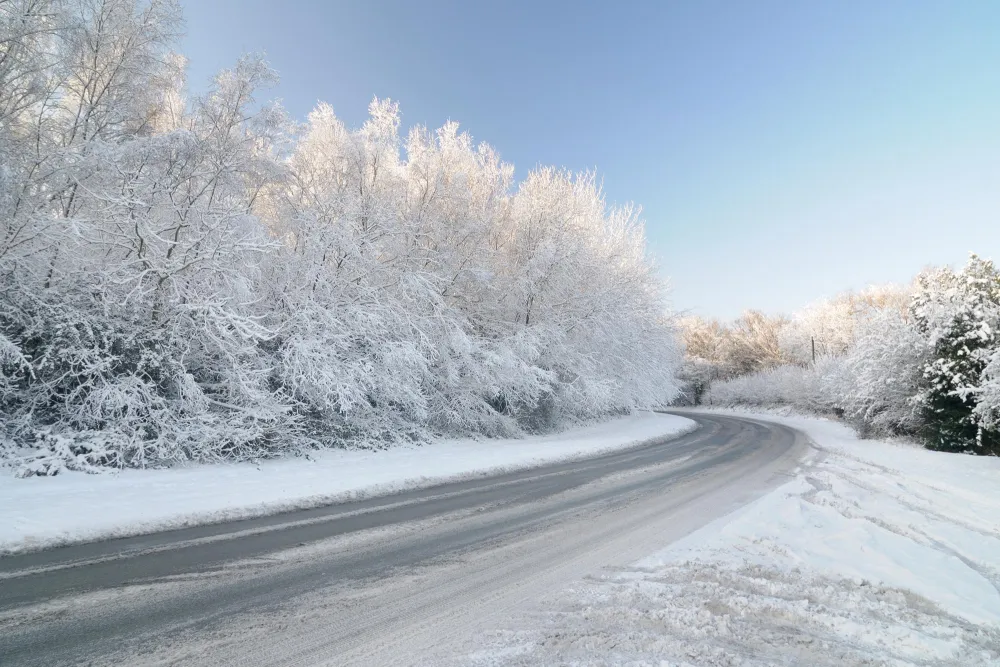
x: 717, y: 351
x: 921, y: 360
x: 200, y: 278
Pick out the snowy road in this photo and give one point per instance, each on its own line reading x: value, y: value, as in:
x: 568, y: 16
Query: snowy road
x: 407, y: 579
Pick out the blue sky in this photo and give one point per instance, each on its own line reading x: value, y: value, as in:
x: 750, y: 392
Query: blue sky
x: 781, y: 151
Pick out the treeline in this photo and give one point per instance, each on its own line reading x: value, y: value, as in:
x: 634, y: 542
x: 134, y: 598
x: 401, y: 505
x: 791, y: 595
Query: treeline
x: 199, y: 277
x: 921, y: 360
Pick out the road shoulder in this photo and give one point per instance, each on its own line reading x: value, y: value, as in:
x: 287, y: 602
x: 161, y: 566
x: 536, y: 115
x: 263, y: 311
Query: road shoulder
x: 877, y: 552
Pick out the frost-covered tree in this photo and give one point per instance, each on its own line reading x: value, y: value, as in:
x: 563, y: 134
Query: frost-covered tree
x: 753, y: 343
x: 747, y: 344
x: 987, y: 410
x: 829, y: 327
x: 197, y: 277
x: 916, y: 360
x: 491, y: 302
x: 719, y: 351
x: 705, y: 345
x: 958, y: 313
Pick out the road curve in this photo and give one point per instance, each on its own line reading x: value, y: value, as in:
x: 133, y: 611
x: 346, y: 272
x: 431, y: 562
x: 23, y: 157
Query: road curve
x: 413, y: 578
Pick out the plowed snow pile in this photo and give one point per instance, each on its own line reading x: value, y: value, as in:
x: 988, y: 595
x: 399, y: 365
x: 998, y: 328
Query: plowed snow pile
x: 877, y: 554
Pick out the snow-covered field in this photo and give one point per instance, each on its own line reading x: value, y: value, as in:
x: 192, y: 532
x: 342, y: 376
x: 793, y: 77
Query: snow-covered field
x: 74, y: 506
x: 876, y: 554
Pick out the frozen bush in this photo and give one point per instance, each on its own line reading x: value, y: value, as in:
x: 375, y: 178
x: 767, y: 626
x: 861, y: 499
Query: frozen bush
x: 879, y: 382
x: 800, y: 387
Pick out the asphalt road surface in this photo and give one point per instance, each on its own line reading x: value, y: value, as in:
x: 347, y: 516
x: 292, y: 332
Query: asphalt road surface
x: 410, y: 579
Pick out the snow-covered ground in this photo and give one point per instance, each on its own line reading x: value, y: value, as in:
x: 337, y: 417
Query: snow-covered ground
x: 875, y: 554
x: 72, y: 507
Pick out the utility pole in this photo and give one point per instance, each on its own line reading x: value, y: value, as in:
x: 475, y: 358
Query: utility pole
x: 813, y: 339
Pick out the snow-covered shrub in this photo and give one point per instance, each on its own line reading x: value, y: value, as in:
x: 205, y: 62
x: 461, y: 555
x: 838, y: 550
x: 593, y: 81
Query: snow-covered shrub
x: 696, y: 376
x: 54, y: 453
x: 877, y: 384
x: 801, y: 387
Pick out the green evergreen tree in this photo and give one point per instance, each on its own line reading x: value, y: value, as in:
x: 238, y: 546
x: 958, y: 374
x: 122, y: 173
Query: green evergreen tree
x: 959, y: 313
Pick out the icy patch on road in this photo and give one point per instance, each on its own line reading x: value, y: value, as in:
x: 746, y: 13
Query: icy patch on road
x: 73, y: 507
x: 878, y: 554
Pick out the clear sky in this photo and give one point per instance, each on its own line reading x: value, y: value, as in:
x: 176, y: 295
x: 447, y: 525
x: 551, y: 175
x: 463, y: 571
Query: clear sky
x: 782, y: 151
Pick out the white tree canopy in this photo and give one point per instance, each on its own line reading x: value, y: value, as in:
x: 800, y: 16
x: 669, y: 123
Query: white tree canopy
x: 204, y: 278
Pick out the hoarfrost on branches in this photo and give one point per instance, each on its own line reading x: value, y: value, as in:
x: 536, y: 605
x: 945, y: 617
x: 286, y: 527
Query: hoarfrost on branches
x: 202, y: 278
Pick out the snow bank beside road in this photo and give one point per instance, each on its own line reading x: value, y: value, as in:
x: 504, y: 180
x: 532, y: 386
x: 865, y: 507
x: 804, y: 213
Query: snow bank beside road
x: 876, y: 554
x: 73, y: 507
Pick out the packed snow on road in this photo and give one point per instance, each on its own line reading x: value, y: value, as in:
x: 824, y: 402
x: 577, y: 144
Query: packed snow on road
x: 876, y: 553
